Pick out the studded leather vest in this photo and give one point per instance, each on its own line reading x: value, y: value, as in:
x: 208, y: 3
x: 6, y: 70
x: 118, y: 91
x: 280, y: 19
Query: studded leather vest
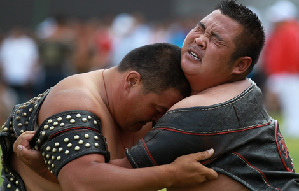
x: 248, y: 145
x: 61, y: 138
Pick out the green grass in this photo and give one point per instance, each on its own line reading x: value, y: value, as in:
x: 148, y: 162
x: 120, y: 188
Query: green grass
x: 292, y: 143
x: 293, y: 147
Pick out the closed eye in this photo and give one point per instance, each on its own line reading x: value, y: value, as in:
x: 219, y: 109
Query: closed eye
x: 216, y: 36
x: 216, y: 39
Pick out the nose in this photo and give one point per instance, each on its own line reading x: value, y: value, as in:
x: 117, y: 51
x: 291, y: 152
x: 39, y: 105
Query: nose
x: 201, y: 41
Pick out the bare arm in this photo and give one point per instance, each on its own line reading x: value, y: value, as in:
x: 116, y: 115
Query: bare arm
x: 91, y: 173
x: 96, y: 175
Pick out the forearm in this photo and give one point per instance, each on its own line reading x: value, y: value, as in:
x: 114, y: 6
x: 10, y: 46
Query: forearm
x: 124, y: 162
x: 91, y: 173
x: 103, y: 176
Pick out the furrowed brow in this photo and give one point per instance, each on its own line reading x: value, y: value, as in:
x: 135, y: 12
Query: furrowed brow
x: 201, y: 25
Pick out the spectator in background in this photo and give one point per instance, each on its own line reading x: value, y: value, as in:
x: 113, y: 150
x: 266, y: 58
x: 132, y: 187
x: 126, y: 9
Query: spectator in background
x: 281, y: 59
x: 83, y: 49
x: 92, y: 46
x: 18, y: 61
x: 55, y: 52
x: 102, y: 46
x: 129, y: 32
x: 160, y: 32
x: 8, y: 99
x: 258, y: 74
x: 177, y: 32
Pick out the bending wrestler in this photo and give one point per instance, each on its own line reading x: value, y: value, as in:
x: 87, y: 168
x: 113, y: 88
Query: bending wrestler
x: 87, y: 120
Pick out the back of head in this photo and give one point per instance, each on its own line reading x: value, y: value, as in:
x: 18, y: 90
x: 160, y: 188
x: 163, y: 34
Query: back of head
x: 159, y: 66
x: 252, y: 39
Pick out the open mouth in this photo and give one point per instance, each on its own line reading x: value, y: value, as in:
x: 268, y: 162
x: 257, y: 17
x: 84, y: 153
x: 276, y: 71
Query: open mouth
x: 191, y: 53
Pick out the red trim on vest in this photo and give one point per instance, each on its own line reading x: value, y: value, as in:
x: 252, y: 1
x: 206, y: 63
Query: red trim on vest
x: 263, y: 175
x: 149, y: 154
x: 279, y: 150
x: 73, y: 128
x: 207, y: 134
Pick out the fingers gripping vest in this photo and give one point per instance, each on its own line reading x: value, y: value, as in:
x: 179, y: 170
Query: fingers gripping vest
x: 68, y: 135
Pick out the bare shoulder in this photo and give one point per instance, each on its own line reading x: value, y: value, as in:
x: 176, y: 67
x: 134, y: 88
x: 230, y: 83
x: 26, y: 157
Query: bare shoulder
x: 214, y: 95
x: 72, y: 93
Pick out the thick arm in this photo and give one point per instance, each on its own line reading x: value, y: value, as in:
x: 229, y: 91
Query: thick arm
x: 68, y: 135
x: 90, y: 171
x: 94, y: 174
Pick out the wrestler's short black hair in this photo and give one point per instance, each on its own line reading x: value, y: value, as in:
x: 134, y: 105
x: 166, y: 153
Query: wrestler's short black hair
x: 159, y: 65
x: 252, y: 39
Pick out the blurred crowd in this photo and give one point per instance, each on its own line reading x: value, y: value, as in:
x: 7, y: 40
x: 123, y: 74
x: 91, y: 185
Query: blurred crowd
x: 33, y: 60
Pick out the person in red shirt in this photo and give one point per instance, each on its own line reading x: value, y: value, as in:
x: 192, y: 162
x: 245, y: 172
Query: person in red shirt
x: 281, y: 62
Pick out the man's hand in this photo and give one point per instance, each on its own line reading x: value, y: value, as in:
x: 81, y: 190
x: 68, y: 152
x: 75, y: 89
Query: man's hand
x: 188, y: 172
x: 32, y: 158
x: 28, y: 156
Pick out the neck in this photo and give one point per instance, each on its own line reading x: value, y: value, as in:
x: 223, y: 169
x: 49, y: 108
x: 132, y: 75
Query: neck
x: 110, y: 83
x: 105, y: 97
x: 199, y: 90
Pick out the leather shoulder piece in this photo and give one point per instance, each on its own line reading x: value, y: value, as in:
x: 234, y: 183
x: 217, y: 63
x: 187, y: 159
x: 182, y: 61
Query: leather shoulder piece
x: 22, y: 118
x: 68, y: 135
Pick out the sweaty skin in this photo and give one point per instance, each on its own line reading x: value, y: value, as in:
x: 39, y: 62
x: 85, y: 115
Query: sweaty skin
x: 84, y: 90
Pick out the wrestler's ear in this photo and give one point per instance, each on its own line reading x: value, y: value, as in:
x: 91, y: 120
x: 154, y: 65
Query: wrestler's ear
x: 132, y: 79
x: 241, y: 65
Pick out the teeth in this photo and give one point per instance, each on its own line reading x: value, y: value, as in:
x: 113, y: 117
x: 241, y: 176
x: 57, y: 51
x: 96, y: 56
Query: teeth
x: 194, y: 55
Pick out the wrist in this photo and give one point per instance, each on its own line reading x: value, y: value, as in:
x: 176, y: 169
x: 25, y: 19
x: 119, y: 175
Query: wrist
x: 170, y: 175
